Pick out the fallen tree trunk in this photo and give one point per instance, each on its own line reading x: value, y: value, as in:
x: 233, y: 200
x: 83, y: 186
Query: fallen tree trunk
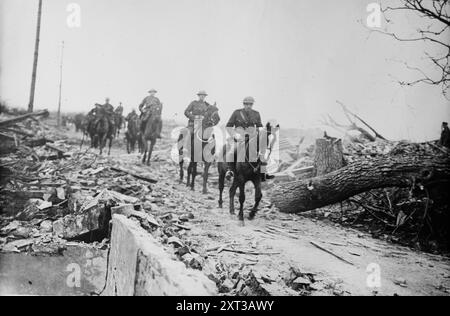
x: 20, y: 118
x: 358, y: 177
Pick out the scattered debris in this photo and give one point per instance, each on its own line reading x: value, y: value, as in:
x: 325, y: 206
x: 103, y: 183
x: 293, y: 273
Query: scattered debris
x: 330, y: 252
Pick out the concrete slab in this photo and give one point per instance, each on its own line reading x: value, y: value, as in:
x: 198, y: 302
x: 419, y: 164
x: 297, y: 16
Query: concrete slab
x: 81, y: 270
x: 138, y: 265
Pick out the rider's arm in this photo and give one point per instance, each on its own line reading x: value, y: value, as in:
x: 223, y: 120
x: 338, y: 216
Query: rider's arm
x: 258, y: 120
x: 188, y: 112
x: 215, y: 117
x: 232, y: 120
x: 142, y: 104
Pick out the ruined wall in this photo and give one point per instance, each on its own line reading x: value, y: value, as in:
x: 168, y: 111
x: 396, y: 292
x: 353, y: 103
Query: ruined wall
x: 138, y: 265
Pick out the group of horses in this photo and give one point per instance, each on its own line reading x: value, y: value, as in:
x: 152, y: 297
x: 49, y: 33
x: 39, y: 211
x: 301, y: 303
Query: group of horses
x: 238, y: 172
x: 103, y: 129
x: 99, y: 130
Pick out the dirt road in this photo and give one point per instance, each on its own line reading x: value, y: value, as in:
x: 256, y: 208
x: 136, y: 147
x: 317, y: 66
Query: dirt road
x: 278, y: 242
x: 277, y: 248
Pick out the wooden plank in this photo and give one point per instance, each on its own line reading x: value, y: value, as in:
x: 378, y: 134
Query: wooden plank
x: 131, y: 173
x: 17, y: 131
x: 20, y: 118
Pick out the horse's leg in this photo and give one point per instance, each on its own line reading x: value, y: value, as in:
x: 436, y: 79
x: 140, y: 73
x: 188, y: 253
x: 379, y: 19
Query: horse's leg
x: 205, y: 177
x: 181, y: 169
x: 189, y: 173
x: 258, y: 197
x: 194, y: 174
x: 110, y: 144
x: 102, y: 144
x: 152, y: 143
x: 233, y: 188
x: 144, y: 145
x: 127, y: 138
x: 147, y: 150
x: 180, y: 157
x: 241, y: 200
x: 221, y: 185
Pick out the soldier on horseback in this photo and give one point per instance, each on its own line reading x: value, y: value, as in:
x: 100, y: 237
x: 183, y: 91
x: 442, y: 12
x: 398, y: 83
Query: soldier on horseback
x: 118, y: 118
x: 205, y: 116
x: 93, y: 117
x: 199, y: 108
x: 243, y: 121
x: 119, y: 109
x: 132, y: 116
x: 148, y: 107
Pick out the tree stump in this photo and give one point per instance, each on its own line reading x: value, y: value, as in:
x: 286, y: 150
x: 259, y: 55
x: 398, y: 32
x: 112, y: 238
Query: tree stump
x: 328, y: 155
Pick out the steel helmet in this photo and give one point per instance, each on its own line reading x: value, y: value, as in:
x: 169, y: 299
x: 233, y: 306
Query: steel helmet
x: 202, y: 92
x: 249, y: 100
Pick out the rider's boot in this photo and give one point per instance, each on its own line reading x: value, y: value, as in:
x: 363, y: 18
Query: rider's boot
x: 264, y: 174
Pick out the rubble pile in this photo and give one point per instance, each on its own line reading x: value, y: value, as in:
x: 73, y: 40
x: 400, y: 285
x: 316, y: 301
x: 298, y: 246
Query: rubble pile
x: 410, y: 216
x: 51, y: 193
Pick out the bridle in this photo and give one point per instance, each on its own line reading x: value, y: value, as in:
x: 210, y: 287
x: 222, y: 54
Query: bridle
x: 247, y: 145
x: 200, y: 138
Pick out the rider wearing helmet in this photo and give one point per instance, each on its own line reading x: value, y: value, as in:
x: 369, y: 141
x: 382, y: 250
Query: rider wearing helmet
x: 198, y: 108
x: 243, y: 120
x: 148, y: 107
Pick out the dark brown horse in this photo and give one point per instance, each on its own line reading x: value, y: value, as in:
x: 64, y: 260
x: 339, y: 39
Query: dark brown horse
x: 79, y: 121
x: 150, y: 136
x: 244, y: 171
x: 132, y: 134
x: 103, y: 130
x: 202, y: 139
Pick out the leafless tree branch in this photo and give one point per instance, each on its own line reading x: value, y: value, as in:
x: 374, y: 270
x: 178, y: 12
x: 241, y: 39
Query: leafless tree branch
x: 435, y: 30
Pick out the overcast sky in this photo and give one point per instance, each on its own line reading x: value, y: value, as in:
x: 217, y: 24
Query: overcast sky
x: 296, y: 58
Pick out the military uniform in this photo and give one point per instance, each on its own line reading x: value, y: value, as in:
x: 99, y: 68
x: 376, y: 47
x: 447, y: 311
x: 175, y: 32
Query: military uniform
x: 109, y: 109
x: 108, y: 112
x: 119, y: 110
x: 243, y: 120
x: 196, y: 108
x: 131, y: 116
x: 151, y: 106
x: 94, y: 116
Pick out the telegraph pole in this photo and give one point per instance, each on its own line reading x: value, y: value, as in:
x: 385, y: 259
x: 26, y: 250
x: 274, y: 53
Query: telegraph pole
x: 36, y: 52
x: 60, y: 83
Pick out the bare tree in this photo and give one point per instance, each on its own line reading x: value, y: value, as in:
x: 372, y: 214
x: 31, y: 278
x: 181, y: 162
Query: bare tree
x: 352, y: 126
x: 435, y: 30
